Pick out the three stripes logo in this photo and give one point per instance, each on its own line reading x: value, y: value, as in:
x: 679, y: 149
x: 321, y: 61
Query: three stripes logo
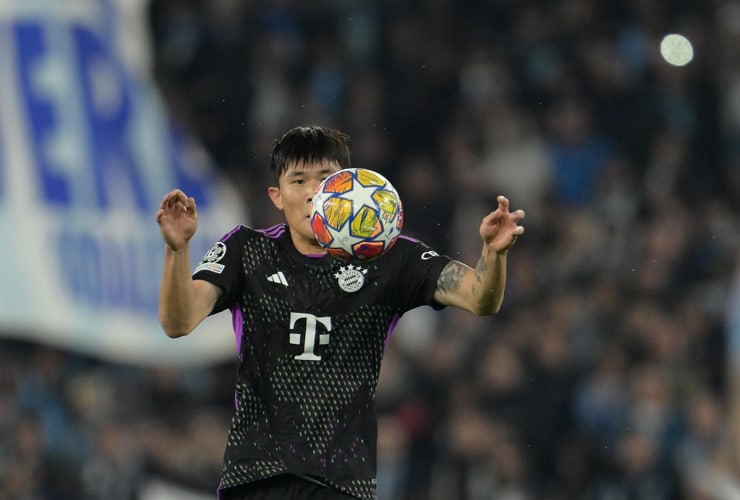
x: 278, y: 277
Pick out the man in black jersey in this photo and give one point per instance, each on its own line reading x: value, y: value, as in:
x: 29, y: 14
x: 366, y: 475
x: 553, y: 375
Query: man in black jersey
x: 310, y: 329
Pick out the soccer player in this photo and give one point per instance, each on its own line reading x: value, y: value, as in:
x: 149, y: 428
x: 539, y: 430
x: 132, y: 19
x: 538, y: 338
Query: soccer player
x: 311, y: 329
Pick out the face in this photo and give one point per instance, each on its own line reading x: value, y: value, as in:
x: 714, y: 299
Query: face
x: 293, y: 196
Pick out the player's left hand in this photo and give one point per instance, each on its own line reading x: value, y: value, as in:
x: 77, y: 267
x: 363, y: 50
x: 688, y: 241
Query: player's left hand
x: 501, y: 228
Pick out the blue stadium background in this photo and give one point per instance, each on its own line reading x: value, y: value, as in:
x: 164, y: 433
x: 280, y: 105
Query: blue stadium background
x: 608, y: 373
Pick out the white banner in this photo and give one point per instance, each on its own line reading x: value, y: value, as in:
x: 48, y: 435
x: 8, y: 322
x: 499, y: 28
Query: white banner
x: 86, y: 153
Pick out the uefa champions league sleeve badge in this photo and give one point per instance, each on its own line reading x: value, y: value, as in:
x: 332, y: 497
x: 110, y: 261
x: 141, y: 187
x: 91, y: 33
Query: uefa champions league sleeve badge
x: 350, y: 278
x: 211, y: 258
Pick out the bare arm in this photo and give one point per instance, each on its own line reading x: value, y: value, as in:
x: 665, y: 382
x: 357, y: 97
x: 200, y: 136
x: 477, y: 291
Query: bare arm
x: 481, y: 290
x: 183, y: 302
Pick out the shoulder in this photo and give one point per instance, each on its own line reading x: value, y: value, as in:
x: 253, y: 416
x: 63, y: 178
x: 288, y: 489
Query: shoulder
x: 412, y: 245
x: 242, y: 232
x: 407, y: 250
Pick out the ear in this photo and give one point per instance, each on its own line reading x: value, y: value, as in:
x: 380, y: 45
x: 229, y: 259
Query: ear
x: 274, y: 193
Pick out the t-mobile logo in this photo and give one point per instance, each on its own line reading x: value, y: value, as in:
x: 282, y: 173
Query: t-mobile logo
x: 308, y: 336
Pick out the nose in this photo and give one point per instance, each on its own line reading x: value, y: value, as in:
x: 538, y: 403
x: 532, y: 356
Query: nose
x: 313, y: 186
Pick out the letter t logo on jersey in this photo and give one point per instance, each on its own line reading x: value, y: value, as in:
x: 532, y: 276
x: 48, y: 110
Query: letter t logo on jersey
x: 308, y: 337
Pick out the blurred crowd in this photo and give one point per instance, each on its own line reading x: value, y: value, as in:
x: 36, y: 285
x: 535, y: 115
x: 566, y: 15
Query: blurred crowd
x: 606, y: 374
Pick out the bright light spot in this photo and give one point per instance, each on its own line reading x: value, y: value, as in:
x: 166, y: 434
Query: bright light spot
x: 676, y: 49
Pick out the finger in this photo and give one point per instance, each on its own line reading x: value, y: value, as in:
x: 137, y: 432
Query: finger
x: 174, y: 196
x: 503, y: 203
x: 491, y: 218
x: 182, y: 203
x: 175, y: 205
x: 169, y: 201
x: 517, y: 215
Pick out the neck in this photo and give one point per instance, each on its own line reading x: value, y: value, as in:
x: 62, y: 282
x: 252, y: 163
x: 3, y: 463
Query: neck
x: 305, y: 245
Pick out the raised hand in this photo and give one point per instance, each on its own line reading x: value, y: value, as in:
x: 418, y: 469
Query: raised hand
x: 501, y: 228
x: 177, y: 218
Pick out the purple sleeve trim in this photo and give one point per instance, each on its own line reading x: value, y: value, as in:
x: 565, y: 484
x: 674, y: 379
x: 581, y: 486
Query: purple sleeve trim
x: 231, y: 233
x: 273, y: 231
x: 394, y: 322
x: 409, y: 238
x: 238, y: 325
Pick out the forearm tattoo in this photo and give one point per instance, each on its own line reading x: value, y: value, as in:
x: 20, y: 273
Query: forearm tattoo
x: 480, y: 270
x: 450, y: 277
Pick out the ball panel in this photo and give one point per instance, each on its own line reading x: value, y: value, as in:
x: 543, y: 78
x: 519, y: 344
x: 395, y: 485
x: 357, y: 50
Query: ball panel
x: 320, y: 230
x: 365, y: 223
x: 368, y: 249
x: 369, y: 178
x: 337, y: 211
x: 339, y: 253
x: 387, y: 202
x: 341, y: 182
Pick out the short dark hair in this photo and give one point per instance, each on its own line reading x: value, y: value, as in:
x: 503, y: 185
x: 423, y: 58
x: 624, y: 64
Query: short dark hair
x: 309, y: 144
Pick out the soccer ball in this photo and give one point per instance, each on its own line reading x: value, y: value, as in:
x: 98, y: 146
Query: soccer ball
x: 357, y: 214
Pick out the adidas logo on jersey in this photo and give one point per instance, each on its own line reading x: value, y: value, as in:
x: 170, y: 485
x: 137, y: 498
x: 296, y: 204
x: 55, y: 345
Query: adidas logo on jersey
x: 278, y: 277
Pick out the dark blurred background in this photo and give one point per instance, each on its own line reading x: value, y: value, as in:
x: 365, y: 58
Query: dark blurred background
x: 608, y: 373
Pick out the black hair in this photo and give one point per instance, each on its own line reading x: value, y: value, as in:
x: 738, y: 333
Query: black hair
x: 309, y: 144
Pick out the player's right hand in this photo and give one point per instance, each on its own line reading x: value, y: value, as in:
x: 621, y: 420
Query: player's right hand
x: 177, y: 218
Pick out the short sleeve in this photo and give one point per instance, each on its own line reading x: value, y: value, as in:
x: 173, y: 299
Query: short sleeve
x: 222, y: 266
x: 420, y: 270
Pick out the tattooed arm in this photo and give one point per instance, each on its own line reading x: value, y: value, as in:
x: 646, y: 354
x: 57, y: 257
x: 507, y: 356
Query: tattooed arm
x: 481, y: 290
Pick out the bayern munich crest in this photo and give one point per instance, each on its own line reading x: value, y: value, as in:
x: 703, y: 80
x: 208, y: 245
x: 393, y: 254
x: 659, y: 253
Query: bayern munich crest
x: 350, y: 278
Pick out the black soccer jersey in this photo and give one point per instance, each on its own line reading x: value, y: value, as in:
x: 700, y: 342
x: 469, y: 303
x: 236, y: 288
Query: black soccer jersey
x: 310, y: 331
